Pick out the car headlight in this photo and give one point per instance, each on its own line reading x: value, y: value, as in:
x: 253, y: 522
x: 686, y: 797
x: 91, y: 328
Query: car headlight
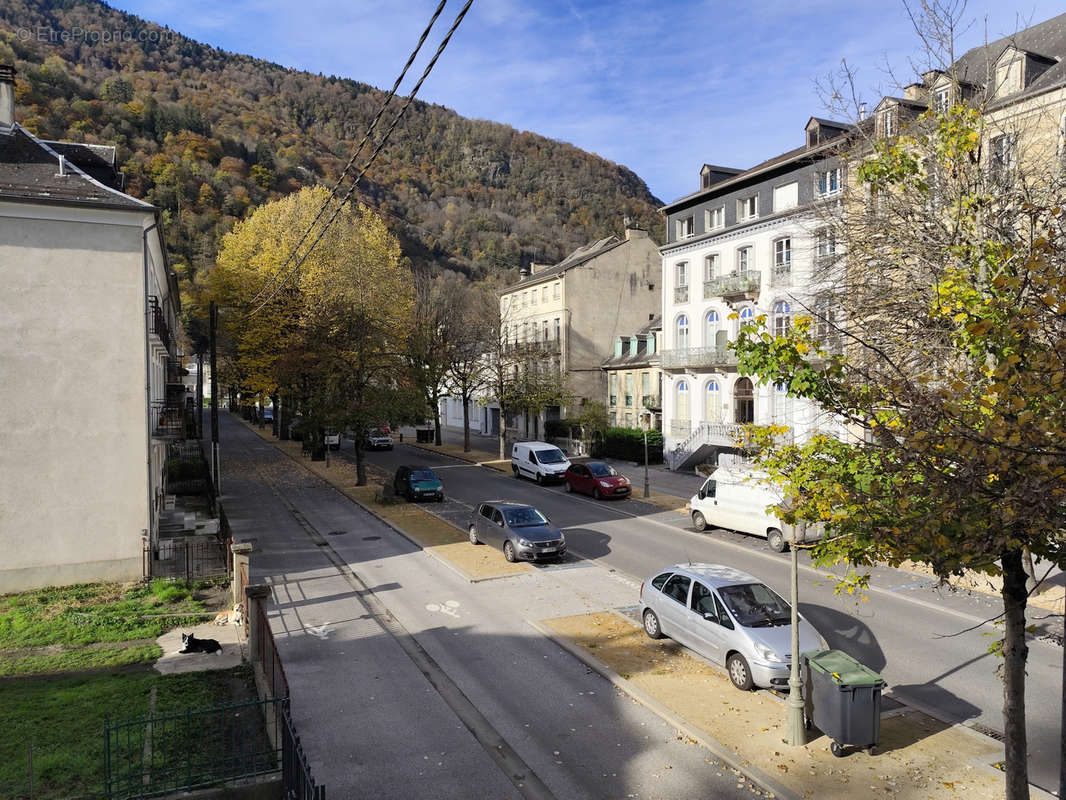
x: 769, y: 655
x: 562, y: 537
x: 605, y: 484
x: 524, y: 543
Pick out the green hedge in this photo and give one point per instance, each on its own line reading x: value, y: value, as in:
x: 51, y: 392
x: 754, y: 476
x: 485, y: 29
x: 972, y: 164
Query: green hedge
x: 628, y: 444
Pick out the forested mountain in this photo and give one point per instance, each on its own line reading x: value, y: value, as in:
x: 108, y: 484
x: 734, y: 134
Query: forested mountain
x: 206, y: 135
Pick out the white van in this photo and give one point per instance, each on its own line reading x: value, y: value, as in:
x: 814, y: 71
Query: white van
x: 737, y: 500
x: 538, y: 460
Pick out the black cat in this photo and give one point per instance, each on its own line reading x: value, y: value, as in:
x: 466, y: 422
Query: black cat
x: 190, y: 644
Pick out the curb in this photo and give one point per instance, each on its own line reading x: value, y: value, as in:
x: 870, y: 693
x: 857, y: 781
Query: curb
x: 720, y: 751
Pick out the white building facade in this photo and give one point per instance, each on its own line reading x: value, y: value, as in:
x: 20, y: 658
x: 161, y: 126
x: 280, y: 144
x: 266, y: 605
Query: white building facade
x: 747, y: 245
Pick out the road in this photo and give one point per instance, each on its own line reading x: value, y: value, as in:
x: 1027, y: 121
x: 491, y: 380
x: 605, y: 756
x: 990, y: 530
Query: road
x: 407, y: 680
x: 930, y: 645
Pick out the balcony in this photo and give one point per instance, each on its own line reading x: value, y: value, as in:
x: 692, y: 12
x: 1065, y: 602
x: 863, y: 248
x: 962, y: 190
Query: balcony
x: 681, y: 294
x: 175, y: 371
x: 168, y: 419
x: 652, y: 402
x: 781, y: 277
x: 734, y: 287
x: 546, y: 347
x: 158, y: 321
x: 697, y: 357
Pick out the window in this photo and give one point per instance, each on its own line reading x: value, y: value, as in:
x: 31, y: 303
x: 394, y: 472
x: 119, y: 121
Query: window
x: 714, y: 218
x: 556, y: 329
x: 712, y: 411
x: 525, y: 331
x: 887, y: 122
x: 685, y: 227
x: 1003, y: 155
x: 782, y: 256
x: 645, y: 383
x: 743, y: 260
x: 682, y: 402
x: 828, y: 182
x: 545, y: 330
x: 629, y: 388
x: 525, y: 299
x: 533, y: 300
x: 555, y: 290
x: 677, y: 589
x: 942, y: 99
x: 743, y: 401
x: 544, y: 295
x: 782, y: 405
x: 782, y: 318
x: 825, y: 245
x: 710, y: 329
x: 747, y: 208
x: 613, y: 390
x: 711, y: 267
x: 682, y: 332
x: 786, y: 197
x: 747, y: 317
x: 682, y: 273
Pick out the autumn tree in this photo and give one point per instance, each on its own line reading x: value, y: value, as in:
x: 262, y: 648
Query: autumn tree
x: 938, y: 340
x: 469, y: 365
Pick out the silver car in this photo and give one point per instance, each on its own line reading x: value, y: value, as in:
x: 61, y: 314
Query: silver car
x: 523, y: 532
x: 729, y: 617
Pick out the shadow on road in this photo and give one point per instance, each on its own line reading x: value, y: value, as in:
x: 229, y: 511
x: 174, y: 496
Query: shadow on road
x: 588, y: 543
x: 846, y: 632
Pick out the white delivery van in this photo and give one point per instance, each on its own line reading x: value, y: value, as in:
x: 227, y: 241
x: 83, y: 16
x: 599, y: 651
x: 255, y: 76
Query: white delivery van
x: 737, y: 500
x: 538, y: 460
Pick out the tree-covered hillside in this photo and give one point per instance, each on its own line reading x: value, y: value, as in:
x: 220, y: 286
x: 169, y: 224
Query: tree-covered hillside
x: 206, y: 135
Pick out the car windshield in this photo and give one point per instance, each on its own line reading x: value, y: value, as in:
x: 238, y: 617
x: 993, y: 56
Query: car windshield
x: 423, y: 475
x: 755, y: 605
x: 553, y: 456
x: 378, y: 433
x: 602, y: 470
x: 524, y: 517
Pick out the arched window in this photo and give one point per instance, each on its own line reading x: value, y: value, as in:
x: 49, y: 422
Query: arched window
x: 683, y: 413
x: 782, y: 318
x: 743, y: 401
x: 746, y: 316
x: 712, y: 410
x: 782, y: 405
x: 682, y: 332
x: 710, y: 329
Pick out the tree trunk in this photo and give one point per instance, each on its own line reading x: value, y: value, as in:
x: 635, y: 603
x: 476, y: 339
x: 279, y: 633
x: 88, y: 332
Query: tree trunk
x: 1015, y: 653
x: 466, y: 423
x: 436, y: 422
x: 360, y: 463
x: 275, y: 420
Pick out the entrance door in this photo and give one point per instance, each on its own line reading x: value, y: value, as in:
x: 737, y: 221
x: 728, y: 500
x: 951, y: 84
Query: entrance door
x: 743, y: 401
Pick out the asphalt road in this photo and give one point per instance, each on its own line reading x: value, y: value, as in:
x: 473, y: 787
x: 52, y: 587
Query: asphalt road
x: 407, y: 680
x: 930, y: 644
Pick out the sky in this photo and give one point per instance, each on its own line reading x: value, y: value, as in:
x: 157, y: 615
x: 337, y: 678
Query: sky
x: 660, y: 87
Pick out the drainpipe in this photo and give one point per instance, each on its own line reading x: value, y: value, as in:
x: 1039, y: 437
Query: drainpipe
x: 152, y: 532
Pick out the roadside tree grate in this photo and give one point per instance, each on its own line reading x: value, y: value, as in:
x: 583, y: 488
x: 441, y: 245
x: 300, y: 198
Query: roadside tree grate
x: 984, y: 730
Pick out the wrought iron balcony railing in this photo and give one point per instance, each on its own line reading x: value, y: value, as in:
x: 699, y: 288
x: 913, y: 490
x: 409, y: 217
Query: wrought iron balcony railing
x: 694, y: 357
x: 732, y: 285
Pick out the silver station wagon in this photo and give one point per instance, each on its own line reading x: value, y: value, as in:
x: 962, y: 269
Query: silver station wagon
x: 729, y: 617
x: 521, y: 531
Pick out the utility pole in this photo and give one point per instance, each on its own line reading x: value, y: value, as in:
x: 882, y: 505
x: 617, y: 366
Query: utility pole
x: 199, y: 395
x: 797, y: 732
x: 645, y: 423
x: 214, y: 401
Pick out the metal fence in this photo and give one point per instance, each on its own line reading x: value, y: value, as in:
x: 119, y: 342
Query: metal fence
x: 295, y: 769
x: 164, y: 753
x: 277, y: 683
x: 189, y: 558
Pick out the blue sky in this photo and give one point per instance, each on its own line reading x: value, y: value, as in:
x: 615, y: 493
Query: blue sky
x: 662, y: 87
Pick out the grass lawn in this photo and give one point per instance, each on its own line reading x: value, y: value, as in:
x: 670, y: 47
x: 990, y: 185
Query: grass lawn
x: 92, y: 626
x: 63, y: 719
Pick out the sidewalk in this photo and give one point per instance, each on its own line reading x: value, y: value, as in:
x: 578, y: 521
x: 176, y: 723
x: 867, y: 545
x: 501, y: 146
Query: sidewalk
x: 917, y: 756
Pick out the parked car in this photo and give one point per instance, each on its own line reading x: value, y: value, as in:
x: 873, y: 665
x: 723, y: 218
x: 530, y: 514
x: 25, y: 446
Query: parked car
x: 524, y: 533
x: 333, y: 440
x: 377, y: 439
x: 729, y: 617
x: 418, y: 483
x: 538, y: 460
x: 598, y: 479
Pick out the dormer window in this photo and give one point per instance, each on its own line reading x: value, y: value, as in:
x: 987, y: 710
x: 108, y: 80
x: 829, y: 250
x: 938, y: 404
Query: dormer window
x: 685, y: 227
x: 942, y: 99
x: 827, y: 182
x: 888, y: 122
x: 714, y: 218
x: 1010, y: 74
x: 747, y: 208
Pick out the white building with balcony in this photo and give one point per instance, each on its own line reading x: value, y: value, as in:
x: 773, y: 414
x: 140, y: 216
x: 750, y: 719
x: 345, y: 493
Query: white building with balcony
x: 746, y: 245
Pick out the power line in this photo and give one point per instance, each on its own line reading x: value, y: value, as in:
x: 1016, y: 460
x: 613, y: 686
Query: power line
x: 373, y: 156
x: 355, y: 153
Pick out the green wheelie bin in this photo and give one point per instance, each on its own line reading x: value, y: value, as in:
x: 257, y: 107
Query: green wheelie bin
x: 843, y: 700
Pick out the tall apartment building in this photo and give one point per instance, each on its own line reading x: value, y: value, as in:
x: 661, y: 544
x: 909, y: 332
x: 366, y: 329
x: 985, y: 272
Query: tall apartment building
x: 634, y: 379
x: 88, y: 338
x: 565, y: 317
x: 745, y: 245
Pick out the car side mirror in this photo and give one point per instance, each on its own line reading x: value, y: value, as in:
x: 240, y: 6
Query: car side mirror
x: 499, y: 524
x: 702, y: 494
x: 710, y: 616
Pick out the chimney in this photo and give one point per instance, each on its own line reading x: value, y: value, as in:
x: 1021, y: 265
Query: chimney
x: 633, y: 231
x: 7, y: 98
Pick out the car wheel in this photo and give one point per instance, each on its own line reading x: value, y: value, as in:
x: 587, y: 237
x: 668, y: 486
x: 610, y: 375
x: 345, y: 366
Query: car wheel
x: 514, y: 469
x: 473, y: 535
x: 540, y: 479
x: 776, y: 540
x: 699, y: 521
x: 569, y: 488
x: 596, y: 494
x: 508, y: 551
x: 440, y: 498
x: 651, y: 625
x: 739, y: 673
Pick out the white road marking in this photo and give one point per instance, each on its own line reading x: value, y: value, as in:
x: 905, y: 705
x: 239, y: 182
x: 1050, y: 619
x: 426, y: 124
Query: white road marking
x: 320, y: 632
x: 448, y: 607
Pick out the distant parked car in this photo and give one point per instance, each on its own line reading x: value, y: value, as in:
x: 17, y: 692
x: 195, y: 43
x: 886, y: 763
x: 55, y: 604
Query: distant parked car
x: 729, y: 617
x: 598, y: 479
x: 377, y: 439
x: 538, y: 460
x: 524, y: 533
x: 418, y: 483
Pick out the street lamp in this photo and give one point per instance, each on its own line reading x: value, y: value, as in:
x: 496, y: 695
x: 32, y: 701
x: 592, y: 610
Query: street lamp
x: 645, y: 423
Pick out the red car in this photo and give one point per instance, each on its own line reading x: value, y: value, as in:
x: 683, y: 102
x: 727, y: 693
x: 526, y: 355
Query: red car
x: 598, y: 479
